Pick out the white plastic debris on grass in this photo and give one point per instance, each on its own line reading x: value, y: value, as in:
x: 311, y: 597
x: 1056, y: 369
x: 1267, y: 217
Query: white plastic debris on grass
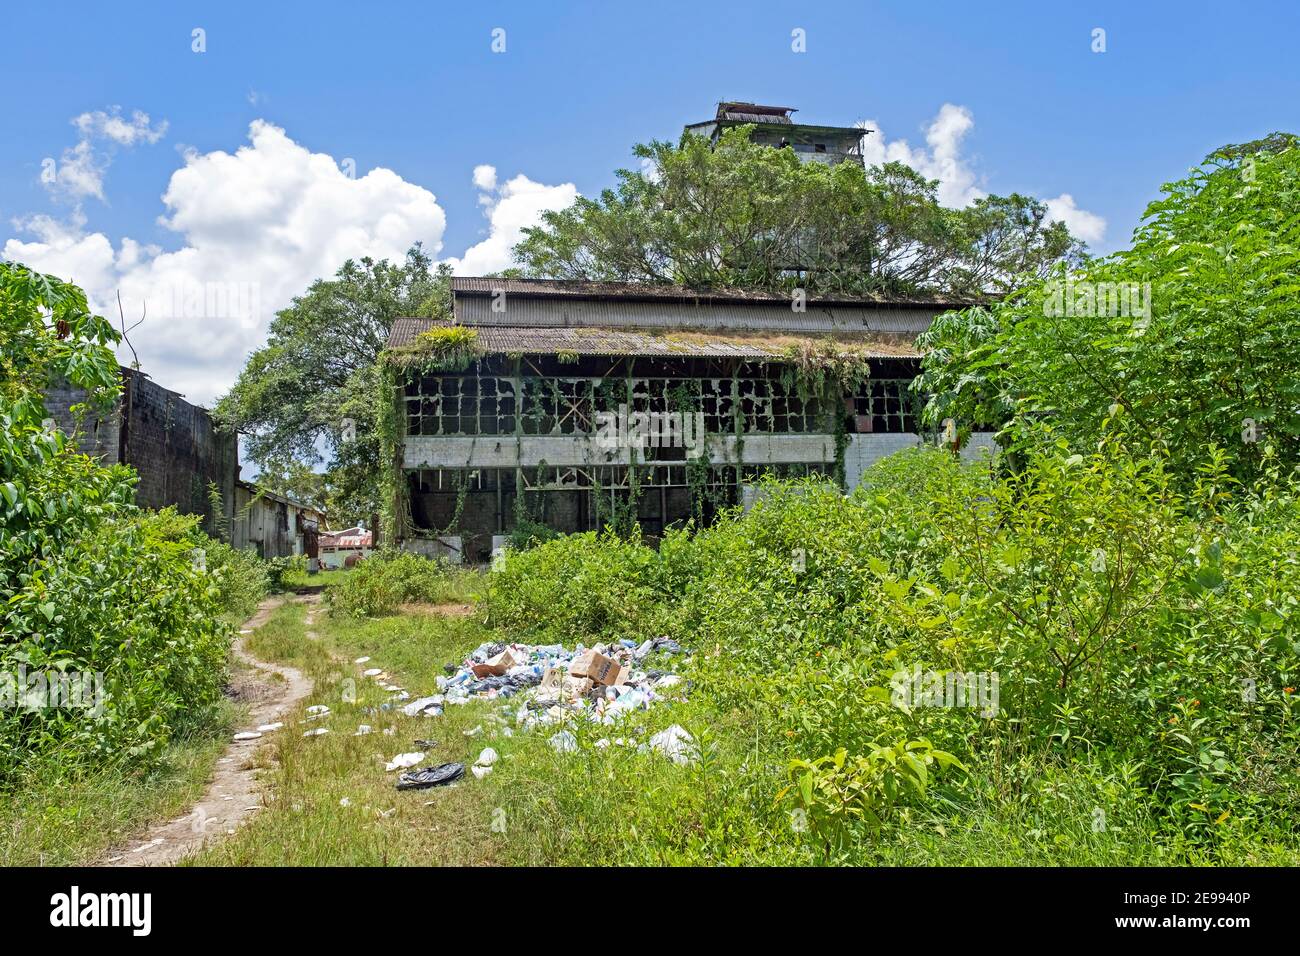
x: 676, y: 744
x: 487, y: 758
x: 267, y: 728
x: 362, y: 660
x: 402, y: 761
x: 317, y: 732
x: 565, y: 742
x: 430, y: 706
x: 372, y: 672
x: 479, y: 772
x: 318, y: 710
x: 247, y: 735
x: 363, y: 729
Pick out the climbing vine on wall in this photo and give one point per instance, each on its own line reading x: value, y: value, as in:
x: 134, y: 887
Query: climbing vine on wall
x: 828, y: 374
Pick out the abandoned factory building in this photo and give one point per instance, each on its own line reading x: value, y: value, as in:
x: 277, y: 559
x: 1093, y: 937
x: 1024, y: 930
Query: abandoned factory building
x: 577, y: 404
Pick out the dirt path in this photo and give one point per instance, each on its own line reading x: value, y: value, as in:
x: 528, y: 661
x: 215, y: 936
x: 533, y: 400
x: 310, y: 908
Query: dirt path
x: 233, y: 794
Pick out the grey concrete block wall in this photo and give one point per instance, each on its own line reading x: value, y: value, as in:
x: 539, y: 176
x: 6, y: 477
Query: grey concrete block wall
x: 173, y: 445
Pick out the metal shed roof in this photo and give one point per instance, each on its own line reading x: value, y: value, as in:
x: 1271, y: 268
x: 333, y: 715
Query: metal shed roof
x: 541, y: 303
x: 507, y: 340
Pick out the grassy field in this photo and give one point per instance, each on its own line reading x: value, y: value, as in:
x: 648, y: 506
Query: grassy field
x: 334, y: 804
x: 330, y: 801
x: 51, y: 821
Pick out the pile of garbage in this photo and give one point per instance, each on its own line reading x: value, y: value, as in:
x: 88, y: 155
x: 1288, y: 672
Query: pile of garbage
x: 603, y: 682
x: 542, y: 684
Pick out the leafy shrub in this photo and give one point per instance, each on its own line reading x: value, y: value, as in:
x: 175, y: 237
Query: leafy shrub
x: 89, y: 584
x: 1203, y: 350
x: 1121, y: 617
x: 387, y: 579
x: 580, y: 588
x: 241, y: 577
x: 277, y: 569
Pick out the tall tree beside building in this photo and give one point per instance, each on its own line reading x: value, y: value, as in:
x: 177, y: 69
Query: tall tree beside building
x: 307, y: 396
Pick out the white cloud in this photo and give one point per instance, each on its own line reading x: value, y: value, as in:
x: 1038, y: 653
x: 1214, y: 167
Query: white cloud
x: 485, y: 177
x: 941, y: 159
x: 1087, y: 226
x: 510, y: 208
x: 256, y: 227
x: 111, y: 125
x: 79, y: 172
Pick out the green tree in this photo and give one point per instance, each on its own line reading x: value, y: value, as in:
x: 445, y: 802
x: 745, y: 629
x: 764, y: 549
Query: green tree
x: 308, y: 396
x: 744, y: 215
x: 89, y: 584
x: 1189, y: 340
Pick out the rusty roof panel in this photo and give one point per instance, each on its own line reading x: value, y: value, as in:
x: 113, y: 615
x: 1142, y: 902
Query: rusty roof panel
x: 772, y: 317
x: 651, y: 292
x: 586, y: 340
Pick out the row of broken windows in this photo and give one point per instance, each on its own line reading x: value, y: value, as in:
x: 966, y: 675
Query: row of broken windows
x: 488, y: 405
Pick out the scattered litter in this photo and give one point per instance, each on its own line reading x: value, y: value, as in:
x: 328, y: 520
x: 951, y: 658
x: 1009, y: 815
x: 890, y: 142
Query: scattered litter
x: 317, y: 732
x: 387, y: 813
x: 475, y: 732
x: 145, y: 846
x: 565, y: 742
x: 345, y: 802
x: 363, y: 729
x: 480, y: 772
x: 267, y: 728
x: 426, y: 777
x: 424, y: 706
x: 487, y: 758
x: 426, y: 744
x: 402, y: 761
x: 389, y: 731
x: 361, y: 660
x: 676, y: 744
x: 372, y: 672
x: 317, y: 710
x: 247, y: 735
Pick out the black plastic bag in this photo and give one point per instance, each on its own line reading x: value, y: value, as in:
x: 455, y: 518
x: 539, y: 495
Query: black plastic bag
x: 426, y: 777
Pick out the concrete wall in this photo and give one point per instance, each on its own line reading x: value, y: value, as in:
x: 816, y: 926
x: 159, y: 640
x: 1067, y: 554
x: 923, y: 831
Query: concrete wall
x: 173, y: 445
x: 866, y: 450
x: 528, y: 451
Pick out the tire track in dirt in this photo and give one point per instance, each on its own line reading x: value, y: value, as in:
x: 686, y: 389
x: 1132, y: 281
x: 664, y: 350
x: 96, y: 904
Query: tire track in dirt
x: 234, y: 793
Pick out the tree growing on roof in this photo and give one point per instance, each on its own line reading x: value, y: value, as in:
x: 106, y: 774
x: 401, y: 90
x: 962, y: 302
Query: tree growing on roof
x: 744, y: 215
x: 308, y: 396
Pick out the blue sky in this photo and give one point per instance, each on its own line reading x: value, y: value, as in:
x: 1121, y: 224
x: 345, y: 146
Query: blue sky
x: 416, y: 89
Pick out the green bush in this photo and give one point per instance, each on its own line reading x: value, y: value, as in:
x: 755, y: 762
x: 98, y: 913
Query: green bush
x: 1138, y: 634
x: 383, y: 581
x: 90, y: 585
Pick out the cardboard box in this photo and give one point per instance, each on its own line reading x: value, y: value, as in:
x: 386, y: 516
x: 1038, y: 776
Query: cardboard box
x: 496, y: 666
x: 558, y: 684
x: 601, y: 669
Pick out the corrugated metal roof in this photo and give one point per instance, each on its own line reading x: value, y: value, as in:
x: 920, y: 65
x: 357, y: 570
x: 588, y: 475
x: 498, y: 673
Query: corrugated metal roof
x: 771, y: 317
x: 650, y: 292
x: 506, y: 340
